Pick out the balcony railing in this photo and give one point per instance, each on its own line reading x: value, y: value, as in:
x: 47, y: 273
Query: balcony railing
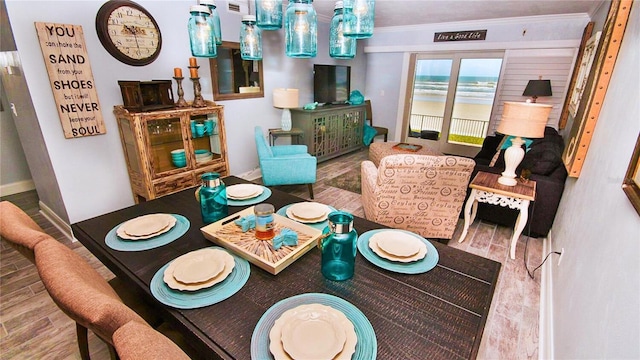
x: 459, y: 126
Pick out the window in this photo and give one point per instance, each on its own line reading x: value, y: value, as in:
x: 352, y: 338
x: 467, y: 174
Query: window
x: 452, y: 98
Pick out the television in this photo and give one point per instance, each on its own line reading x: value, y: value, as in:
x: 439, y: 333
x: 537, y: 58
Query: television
x: 331, y: 83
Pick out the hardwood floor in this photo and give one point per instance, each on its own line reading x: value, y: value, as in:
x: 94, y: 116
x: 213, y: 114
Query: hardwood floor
x: 32, y: 326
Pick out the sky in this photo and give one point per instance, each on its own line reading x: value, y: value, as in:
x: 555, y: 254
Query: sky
x: 468, y: 67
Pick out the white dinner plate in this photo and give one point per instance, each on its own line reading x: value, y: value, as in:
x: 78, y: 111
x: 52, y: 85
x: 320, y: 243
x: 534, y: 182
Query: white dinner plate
x: 168, y: 278
x: 145, y: 227
x: 398, y: 243
x: 198, y: 266
x: 244, y: 191
x: 375, y: 247
x: 308, y: 212
x: 277, y: 334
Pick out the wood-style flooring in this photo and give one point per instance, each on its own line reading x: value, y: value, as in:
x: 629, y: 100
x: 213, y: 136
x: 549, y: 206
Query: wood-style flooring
x: 32, y: 327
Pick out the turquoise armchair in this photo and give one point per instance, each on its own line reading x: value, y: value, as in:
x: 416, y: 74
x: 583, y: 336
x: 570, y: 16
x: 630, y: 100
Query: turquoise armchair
x: 285, y: 164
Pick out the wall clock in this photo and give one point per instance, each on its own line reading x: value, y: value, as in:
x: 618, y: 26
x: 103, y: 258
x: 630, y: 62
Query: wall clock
x: 128, y: 32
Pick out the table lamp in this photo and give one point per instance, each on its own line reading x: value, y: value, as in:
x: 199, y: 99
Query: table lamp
x: 520, y: 120
x: 537, y: 88
x: 285, y: 99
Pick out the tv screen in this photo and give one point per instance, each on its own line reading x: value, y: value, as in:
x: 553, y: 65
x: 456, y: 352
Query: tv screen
x: 331, y: 83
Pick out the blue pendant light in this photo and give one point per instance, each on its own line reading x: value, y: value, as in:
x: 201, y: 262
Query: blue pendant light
x: 269, y: 14
x: 359, y: 16
x: 340, y: 46
x: 301, y: 30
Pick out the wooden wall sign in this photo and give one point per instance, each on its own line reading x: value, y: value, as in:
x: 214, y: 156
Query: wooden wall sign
x: 460, y: 35
x: 598, y: 81
x: 71, y: 78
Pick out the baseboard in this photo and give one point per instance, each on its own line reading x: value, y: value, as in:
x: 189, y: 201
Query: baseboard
x: 545, y: 335
x: 56, y: 221
x: 17, y: 187
x: 251, y: 175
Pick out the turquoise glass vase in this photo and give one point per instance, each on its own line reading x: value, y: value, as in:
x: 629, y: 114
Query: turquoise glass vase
x: 213, y: 198
x: 340, y: 46
x: 338, y: 247
x: 301, y: 30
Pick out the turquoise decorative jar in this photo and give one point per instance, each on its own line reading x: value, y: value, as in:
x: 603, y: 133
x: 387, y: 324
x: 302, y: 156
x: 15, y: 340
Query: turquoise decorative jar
x: 340, y: 46
x: 250, y: 39
x: 201, y: 32
x: 213, y: 198
x: 269, y: 14
x: 358, y: 17
x: 301, y: 30
x: 338, y: 247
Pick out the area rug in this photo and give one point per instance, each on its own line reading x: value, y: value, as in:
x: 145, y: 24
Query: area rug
x: 349, y: 181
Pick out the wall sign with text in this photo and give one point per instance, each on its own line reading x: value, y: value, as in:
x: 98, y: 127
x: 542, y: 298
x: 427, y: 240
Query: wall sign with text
x: 71, y: 78
x: 460, y: 35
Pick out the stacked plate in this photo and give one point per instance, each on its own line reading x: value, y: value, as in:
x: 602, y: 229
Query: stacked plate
x: 199, y: 269
x: 397, y: 246
x: 308, y: 212
x: 312, y: 331
x: 145, y: 227
x: 244, y: 191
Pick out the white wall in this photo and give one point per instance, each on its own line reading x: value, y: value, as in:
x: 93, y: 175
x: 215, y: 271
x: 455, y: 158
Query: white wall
x: 596, y: 289
x: 94, y: 167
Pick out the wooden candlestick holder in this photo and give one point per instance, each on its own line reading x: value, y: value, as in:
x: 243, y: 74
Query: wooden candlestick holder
x: 181, y: 103
x: 198, y: 101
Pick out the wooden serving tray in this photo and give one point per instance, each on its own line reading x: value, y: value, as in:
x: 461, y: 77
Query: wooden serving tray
x: 260, y: 252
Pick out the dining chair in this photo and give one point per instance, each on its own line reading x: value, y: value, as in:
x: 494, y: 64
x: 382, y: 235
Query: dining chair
x: 82, y: 294
x: 285, y: 164
x: 19, y: 230
x: 139, y: 341
x: 380, y: 131
x: 419, y: 193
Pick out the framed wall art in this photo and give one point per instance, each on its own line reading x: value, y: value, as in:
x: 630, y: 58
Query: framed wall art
x: 587, y: 106
x: 631, y: 183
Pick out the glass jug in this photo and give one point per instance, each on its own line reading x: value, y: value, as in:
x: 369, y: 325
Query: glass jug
x: 338, y: 247
x: 213, y: 198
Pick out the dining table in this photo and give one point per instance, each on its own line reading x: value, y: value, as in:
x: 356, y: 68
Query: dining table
x: 437, y: 314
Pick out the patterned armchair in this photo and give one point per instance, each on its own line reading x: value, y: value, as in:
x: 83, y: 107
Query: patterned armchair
x: 419, y: 193
x: 285, y: 164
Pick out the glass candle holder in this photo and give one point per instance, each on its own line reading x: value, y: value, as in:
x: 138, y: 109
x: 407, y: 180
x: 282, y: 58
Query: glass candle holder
x: 264, y: 221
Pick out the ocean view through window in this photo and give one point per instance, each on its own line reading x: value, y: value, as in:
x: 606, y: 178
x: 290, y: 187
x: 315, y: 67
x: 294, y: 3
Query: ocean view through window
x: 452, y: 99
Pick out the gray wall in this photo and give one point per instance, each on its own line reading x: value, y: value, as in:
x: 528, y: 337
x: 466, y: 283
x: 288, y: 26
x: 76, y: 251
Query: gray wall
x: 596, y: 289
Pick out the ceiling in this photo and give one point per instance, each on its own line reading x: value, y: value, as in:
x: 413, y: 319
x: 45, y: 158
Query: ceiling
x: 414, y: 12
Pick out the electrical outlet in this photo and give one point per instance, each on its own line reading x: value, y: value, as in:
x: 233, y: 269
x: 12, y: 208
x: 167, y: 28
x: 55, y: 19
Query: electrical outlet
x: 561, y: 255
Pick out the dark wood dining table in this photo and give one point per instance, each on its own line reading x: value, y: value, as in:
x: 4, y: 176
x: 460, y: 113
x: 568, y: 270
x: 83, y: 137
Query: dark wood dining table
x: 439, y: 314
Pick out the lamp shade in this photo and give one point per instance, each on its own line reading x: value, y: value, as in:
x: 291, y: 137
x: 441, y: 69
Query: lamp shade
x: 538, y: 88
x: 285, y: 98
x: 524, y: 119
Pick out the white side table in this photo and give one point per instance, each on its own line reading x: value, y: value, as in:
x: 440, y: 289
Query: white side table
x: 486, y: 189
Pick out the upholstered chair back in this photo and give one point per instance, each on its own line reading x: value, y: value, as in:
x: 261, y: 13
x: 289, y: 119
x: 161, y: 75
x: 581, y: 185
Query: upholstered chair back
x: 137, y: 341
x: 19, y: 229
x: 420, y: 193
x: 80, y: 291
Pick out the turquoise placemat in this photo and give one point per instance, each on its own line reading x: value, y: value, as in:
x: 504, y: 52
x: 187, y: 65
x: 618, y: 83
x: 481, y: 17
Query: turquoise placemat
x: 319, y: 225
x: 113, y: 241
x: 203, y: 297
x: 256, y: 200
x: 417, y: 267
x: 366, y: 348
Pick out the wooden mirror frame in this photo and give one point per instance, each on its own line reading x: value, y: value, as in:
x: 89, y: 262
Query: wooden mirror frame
x: 215, y: 74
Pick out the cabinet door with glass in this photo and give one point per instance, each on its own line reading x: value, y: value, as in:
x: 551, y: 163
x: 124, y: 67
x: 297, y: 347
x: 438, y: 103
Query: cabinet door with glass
x: 166, y: 146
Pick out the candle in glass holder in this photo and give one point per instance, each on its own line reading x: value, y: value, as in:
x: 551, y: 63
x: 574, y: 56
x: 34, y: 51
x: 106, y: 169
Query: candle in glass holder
x: 177, y: 72
x: 194, y: 72
x: 192, y: 62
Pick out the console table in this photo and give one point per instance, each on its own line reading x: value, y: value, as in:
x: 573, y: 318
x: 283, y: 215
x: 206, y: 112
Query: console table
x: 331, y: 130
x: 485, y: 188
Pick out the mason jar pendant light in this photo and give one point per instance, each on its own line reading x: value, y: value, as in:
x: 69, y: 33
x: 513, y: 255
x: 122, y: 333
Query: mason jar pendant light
x: 250, y: 39
x: 358, y: 18
x: 340, y: 46
x: 215, y: 20
x: 201, y: 32
x: 301, y: 29
x: 269, y: 14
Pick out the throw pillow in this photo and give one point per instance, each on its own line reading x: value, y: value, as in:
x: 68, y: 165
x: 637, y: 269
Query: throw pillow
x: 545, y: 154
x: 369, y: 134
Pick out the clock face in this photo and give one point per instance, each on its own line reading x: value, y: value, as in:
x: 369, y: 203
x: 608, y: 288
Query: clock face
x: 128, y: 32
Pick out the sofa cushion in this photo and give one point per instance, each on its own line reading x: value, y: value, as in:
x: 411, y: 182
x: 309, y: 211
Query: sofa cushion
x: 545, y: 154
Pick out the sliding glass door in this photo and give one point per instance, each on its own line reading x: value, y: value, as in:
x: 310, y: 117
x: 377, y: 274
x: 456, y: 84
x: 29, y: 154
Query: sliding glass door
x: 451, y: 99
